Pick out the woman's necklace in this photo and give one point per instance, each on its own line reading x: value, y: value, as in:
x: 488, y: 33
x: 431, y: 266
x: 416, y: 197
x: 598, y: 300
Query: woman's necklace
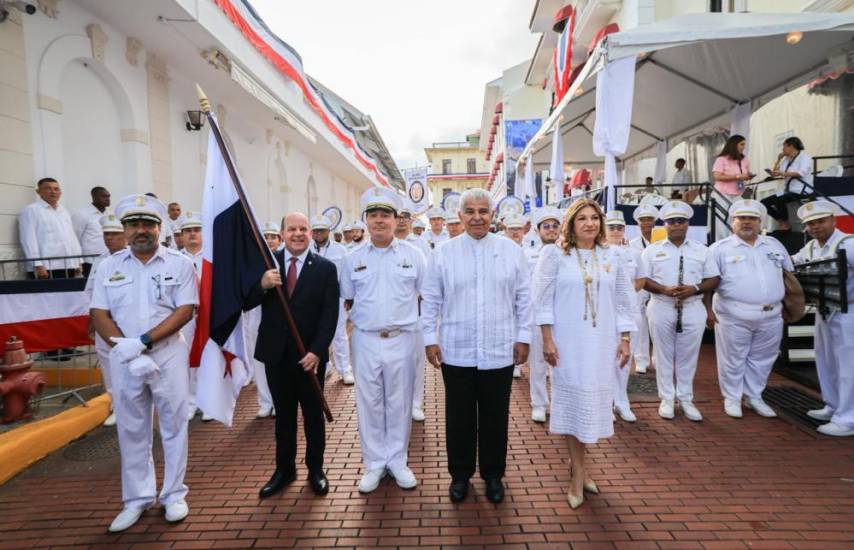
x: 589, y: 297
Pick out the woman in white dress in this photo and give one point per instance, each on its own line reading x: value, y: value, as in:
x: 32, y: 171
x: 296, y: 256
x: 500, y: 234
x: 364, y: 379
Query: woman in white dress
x: 583, y: 307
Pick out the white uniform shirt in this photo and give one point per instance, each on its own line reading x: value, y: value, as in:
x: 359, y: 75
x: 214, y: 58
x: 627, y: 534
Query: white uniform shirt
x: 639, y: 243
x: 140, y: 296
x: 332, y: 251
x: 681, y: 178
x: 661, y: 261
x: 420, y: 244
x: 353, y: 245
x: 532, y: 239
x: 434, y: 240
x: 481, y: 290
x: 750, y: 274
x: 812, y: 251
x: 87, y: 228
x: 384, y: 284
x: 48, y: 232
x: 801, y: 164
x: 197, y: 260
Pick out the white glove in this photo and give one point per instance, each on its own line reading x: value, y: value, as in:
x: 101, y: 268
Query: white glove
x: 127, y: 349
x: 143, y: 366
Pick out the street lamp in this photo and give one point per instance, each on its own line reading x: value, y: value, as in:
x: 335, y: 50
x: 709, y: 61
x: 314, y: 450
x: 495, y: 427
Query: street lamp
x: 195, y: 120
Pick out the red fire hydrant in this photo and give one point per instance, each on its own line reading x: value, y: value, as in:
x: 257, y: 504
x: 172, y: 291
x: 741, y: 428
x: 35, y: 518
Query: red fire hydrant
x: 17, y: 384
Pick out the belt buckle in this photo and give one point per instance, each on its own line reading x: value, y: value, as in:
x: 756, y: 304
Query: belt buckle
x: 767, y: 307
x: 384, y: 334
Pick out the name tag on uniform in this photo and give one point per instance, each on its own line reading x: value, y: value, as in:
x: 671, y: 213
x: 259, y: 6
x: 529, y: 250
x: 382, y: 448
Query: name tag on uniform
x: 405, y: 265
x: 734, y: 259
x: 360, y: 268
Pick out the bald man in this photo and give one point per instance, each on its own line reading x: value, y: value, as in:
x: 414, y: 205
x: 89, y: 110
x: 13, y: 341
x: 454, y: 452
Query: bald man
x: 310, y: 283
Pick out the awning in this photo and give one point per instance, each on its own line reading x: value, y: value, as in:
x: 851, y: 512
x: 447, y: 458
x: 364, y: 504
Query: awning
x: 692, y: 70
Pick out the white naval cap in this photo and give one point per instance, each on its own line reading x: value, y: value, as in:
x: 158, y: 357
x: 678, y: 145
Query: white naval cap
x: 381, y: 198
x: 816, y: 210
x: 404, y: 209
x: 645, y: 211
x: 546, y: 213
x: 435, y: 212
x: 747, y: 207
x: 111, y: 224
x: 676, y: 209
x: 190, y: 219
x: 271, y: 228
x: 452, y: 217
x: 360, y: 225
x: 141, y: 207
x: 347, y: 227
x: 418, y: 223
x: 319, y: 221
x: 514, y: 221
x: 615, y: 217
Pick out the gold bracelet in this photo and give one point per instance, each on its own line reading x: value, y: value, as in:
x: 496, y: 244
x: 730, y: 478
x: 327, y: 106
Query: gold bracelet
x: 626, y: 338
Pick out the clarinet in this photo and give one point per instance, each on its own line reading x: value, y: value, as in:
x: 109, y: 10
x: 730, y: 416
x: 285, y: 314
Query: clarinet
x: 678, y: 301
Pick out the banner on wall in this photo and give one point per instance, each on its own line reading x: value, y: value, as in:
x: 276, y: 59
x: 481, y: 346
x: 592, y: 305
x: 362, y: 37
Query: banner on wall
x: 416, y: 189
x: 517, y: 135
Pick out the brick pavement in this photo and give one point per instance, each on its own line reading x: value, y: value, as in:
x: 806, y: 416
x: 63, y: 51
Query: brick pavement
x: 724, y: 483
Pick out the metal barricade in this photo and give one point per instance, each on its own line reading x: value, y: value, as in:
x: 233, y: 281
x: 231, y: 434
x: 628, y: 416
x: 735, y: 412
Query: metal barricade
x: 64, y: 267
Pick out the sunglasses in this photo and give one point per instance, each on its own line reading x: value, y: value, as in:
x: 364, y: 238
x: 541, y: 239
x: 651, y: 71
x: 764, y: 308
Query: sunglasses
x: 550, y: 226
x: 676, y: 221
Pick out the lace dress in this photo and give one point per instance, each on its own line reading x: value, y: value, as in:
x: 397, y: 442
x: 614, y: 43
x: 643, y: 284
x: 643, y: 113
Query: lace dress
x: 583, y: 381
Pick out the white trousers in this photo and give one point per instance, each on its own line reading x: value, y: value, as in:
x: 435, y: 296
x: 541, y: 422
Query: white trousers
x: 102, y: 350
x: 539, y: 370
x: 621, y: 389
x: 676, y: 354
x: 640, y: 339
x: 251, y: 322
x: 134, y: 401
x: 420, y: 371
x: 188, y: 331
x: 834, y: 349
x: 385, y: 375
x: 340, y: 343
x: 747, y: 342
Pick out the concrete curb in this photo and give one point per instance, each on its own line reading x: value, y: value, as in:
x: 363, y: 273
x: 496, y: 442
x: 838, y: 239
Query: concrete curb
x: 21, y: 447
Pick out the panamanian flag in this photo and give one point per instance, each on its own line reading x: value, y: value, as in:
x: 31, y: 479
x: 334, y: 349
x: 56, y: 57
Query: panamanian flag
x: 232, y: 263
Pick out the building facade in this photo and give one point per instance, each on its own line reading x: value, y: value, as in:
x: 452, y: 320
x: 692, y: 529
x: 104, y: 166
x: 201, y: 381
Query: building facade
x: 98, y: 93
x: 455, y: 166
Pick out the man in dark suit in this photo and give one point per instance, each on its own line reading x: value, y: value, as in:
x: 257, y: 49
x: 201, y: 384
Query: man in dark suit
x: 311, y: 288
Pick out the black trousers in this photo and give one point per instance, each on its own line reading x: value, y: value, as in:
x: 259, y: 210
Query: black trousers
x: 477, y: 410
x: 54, y: 274
x: 290, y: 386
x: 87, y: 268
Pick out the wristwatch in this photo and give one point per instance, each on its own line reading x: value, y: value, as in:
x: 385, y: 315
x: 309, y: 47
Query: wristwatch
x: 146, y: 341
x: 626, y: 338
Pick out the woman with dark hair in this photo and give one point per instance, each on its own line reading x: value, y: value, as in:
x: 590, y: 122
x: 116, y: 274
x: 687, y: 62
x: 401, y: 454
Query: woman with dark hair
x: 794, y: 165
x: 583, y: 305
x: 731, y: 170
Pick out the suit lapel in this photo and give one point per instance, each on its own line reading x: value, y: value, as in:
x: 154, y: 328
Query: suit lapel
x: 305, y: 272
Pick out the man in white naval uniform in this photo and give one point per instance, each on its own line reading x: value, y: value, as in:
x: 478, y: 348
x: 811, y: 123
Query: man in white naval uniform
x: 403, y: 232
x: 615, y: 233
x: 381, y: 282
x: 324, y: 246
x: 358, y: 229
x: 645, y: 216
x: 189, y: 225
x: 747, y: 310
x: 436, y: 233
x: 677, y: 274
x: 142, y: 297
x: 547, y: 222
x: 347, y: 233
x: 418, y: 227
x: 532, y: 236
x: 453, y: 225
x: 113, y: 238
x: 834, y: 336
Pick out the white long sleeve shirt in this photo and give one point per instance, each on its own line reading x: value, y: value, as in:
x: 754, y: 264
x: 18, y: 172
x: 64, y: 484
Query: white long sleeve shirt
x: 481, y: 291
x: 87, y: 227
x: 48, y: 232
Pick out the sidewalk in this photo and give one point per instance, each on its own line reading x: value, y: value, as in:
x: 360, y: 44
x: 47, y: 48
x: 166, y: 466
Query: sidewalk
x: 722, y: 483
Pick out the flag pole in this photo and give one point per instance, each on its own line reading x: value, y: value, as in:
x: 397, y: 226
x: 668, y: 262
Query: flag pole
x: 262, y: 246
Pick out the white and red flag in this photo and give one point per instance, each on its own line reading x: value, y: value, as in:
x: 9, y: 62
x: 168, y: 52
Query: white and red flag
x: 233, y: 261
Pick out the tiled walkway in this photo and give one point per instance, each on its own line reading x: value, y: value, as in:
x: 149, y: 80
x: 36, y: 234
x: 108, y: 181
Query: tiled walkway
x: 723, y: 483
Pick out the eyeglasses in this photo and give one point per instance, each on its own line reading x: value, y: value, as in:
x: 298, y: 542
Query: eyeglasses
x: 676, y: 221
x: 550, y: 226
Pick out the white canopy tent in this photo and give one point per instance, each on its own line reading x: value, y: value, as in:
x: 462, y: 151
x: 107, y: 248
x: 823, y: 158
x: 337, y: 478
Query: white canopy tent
x: 691, y: 71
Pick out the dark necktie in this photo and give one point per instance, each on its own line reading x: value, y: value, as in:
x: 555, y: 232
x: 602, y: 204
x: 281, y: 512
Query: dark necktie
x: 292, y: 276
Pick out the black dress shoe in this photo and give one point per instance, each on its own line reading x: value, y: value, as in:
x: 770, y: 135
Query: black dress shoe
x: 494, y: 490
x: 319, y: 483
x: 459, y: 490
x: 278, y: 482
